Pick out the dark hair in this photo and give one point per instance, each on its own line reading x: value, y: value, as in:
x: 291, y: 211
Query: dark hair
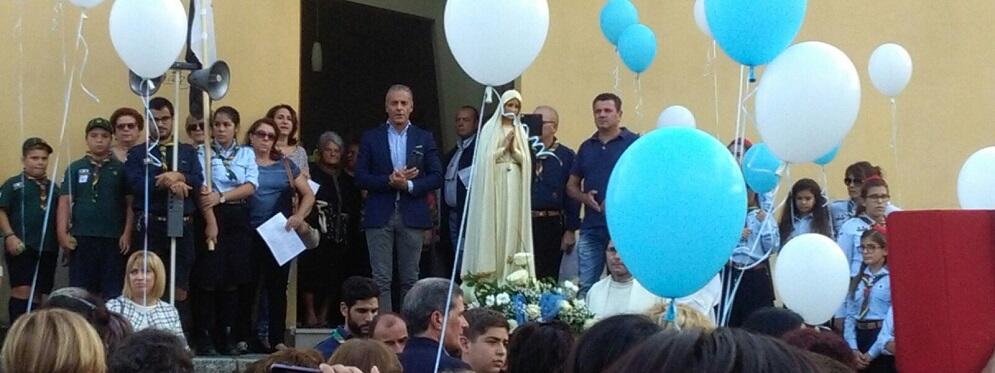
x: 867, y: 185
x: 773, y: 321
x: 128, y: 112
x: 608, y: 97
x: 159, y: 103
x: 540, y: 347
x: 820, y: 213
x: 274, y: 152
x: 863, y: 170
x: 151, y: 350
x: 878, y: 238
x: 608, y: 340
x: 230, y: 112
x: 476, y: 114
x: 271, y: 114
x: 478, y: 320
x: 718, y: 351
x: 305, y: 358
x: 110, y: 326
x: 824, y: 343
x: 357, y: 288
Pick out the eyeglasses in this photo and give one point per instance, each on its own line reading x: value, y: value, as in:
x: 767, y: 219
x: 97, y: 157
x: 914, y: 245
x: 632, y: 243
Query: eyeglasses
x: 878, y: 197
x: 853, y: 181
x: 870, y: 247
x: 199, y: 126
x: 265, y: 135
x: 129, y: 126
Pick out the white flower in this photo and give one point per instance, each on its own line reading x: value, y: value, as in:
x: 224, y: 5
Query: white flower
x: 522, y: 259
x: 564, y: 305
x: 533, y: 311
x: 520, y: 277
x: 578, y: 303
x: 570, y: 286
x: 512, y: 324
x: 469, y: 293
x: 502, y: 299
x: 489, y: 300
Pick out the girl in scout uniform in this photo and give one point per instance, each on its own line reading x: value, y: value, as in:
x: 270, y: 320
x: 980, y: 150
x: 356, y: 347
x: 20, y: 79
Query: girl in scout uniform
x: 805, y: 212
x: 868, y: 304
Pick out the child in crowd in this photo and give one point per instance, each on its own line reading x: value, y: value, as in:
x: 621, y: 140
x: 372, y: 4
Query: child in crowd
x: 29, y: 239
x: 868, y: 304
x: 805, y: 212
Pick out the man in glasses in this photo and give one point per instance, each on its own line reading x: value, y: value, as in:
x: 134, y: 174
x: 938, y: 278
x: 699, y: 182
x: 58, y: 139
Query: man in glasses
x: 94, y: 215
x: 163, y: 185
x: 128, y: 126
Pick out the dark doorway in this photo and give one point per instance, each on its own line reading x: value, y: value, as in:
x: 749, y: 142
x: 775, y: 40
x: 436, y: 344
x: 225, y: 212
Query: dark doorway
x: 365, y: 51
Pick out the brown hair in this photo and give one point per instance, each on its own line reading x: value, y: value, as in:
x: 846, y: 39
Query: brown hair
x: 52, y: 340
x: 306, y: 358
x: 686, y: 317
x: 271, y: 114
x: 872, y: 182
x: 479, y: 320
x: 825, y: 343
x: 128, y: 112
x: 155, y: 265
x: 366, y: 354
x: 274, y: 152
x: 878, y: 238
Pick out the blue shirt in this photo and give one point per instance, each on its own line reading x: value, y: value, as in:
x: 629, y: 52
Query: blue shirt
x: 842, y: 210
x: 549, y: 185
x: 274, y: 194
x: 593, y: 165
x: 419, y: 357
x: 763, y: 238
x: 878, y: 305
x: 848, y: 238
x: 454, y: 174
x: 134, y: 171
x: 398, y: 143
x: 328, y: 346
x: 886, y: 334
x: 231, y: 167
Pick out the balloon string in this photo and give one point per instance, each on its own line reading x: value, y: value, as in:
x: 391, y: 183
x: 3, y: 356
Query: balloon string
x: 894, y: 142
x: 639, y: 94
x: 715, y: 85
x: 81, y: 41
x: 615, y: 75
x: 18, y: 34
x: 58, y: 24
x: 738, y: 147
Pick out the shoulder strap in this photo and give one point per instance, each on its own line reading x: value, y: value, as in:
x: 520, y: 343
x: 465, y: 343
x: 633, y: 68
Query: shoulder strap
x: 290, y: 183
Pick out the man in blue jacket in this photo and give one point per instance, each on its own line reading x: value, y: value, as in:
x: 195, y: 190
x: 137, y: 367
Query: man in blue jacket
x: 398, y: 164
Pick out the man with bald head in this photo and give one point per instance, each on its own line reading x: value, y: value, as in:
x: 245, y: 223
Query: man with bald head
x: 554, y: 213
x: 390, y: 329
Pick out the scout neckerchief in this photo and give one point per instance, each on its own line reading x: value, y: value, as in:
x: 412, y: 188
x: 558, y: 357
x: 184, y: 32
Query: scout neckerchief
x: 552, y: 149
x: 95, y: 167
x: 164, y: 153
x: 226, y: 157
x: 868, y: 280
x: 42, y: 190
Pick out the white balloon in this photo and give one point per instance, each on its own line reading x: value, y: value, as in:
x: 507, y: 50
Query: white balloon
x: 676, y: 116
x: 812, y: 277
x: 699, y: 17
x: 890, y: 69
x: 148, y: 35
x: 494, y: 41
x: 976, y: 182
x: 86, y: 3
x: 807, y: 101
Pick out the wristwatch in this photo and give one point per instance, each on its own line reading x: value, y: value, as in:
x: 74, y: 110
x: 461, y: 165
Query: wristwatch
x: 221, y: 198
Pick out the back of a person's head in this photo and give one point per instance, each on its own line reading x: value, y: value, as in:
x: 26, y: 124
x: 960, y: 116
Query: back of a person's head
x: 366, y: 354
x: 773, y: 321
x: 826, y: 364
x: 111, y: 327
x: 607, y: 341
x: 825, y: 343
x: 686, y: 317
x: 427, y: 296
x: 540, y: 347
x: 151, y: 351
x: 721, y: 350
x: 52, y: 341
x: 305, y: 358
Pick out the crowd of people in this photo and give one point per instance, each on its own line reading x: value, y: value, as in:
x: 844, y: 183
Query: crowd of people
x: 381, y: 203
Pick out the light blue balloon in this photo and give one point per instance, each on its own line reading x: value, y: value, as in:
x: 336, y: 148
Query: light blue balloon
x: 675, y: 204
x: 616, y: 16
x: 824, y: 160
x: 637, y: 47
x: 753, y: 32
x: 760, y: 169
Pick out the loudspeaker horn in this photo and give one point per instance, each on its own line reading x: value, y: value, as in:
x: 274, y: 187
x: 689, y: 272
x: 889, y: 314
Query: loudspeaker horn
x: 213, y: 80
x: 139, y: 85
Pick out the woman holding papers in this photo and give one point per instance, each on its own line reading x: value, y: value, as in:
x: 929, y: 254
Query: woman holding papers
x: 218, y: 272
x: 280, y: 182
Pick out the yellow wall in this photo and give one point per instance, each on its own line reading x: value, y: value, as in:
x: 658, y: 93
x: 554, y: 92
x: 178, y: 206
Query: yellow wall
x: 260, y: 42
x: 944, y: 115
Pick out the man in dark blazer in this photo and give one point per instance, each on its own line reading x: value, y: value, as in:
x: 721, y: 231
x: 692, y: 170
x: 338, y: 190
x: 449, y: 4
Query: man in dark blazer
x: 398, y: 164
x: 457, y: 174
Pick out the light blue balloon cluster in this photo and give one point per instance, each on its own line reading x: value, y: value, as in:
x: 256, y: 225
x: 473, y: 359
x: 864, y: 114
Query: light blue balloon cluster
x: 760, y: 168
x: 675, y: 205
x: 753, y: 32
x: 636, y: 43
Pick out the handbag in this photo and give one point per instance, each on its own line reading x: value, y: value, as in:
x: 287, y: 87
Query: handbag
x: 310, y: 236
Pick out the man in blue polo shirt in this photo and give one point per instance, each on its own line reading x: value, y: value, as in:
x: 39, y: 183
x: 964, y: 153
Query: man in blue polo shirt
x: 589, y: 181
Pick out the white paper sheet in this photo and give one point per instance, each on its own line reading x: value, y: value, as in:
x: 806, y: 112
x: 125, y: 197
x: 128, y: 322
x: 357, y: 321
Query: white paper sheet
x: 314, y: 186
x: 285, y: 245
